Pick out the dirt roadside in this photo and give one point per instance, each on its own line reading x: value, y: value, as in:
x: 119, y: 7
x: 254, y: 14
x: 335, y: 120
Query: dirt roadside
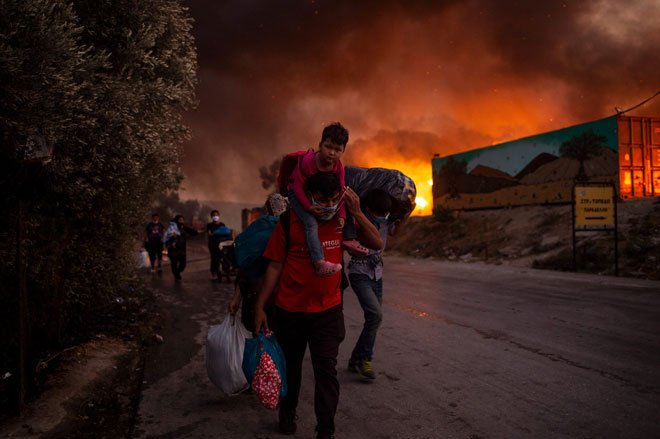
x: 91, y: 388
x: 538, y: 237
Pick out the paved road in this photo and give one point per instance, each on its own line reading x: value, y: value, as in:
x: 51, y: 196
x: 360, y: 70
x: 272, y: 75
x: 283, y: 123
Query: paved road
x: 465, y: 351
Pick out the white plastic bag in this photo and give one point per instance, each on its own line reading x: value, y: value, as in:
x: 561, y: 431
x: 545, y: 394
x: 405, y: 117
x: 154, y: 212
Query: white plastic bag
x: 143, y: 259
x: 224, y: 355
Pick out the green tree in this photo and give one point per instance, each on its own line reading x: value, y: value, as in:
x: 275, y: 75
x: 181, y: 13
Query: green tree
x: 582, y: 148
x: 105, y: 82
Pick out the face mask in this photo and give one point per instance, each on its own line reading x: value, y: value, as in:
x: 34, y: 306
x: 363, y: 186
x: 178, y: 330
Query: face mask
x: 215, y: 218
x: 381, y: 219
x: 328, y: 212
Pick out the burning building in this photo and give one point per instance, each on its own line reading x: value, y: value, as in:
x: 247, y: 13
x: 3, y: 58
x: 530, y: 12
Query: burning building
x: 537, y: 170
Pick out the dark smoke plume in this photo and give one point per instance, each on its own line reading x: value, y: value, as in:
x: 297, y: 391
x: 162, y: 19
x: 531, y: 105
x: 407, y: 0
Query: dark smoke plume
x: 408, y: 79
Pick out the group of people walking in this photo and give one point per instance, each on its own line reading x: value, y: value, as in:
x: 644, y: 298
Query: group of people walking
x: 175, y: 238
x: 300, y: 296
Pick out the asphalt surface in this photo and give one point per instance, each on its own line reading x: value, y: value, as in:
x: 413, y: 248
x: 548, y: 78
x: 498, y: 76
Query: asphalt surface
x: 465, y: 351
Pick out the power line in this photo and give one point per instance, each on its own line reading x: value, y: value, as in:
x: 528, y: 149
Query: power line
x: 620, y: 111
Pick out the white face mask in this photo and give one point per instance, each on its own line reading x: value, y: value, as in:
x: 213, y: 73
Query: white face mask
x: 328, y: 211
x: 216, y: 219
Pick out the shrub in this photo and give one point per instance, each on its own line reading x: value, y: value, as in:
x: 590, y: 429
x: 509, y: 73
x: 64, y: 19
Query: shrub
x: 442, y: 214
x: 105, y: 83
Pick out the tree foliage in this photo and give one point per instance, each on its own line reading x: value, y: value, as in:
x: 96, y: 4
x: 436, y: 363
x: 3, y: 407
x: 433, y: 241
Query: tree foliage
x: 105, y: 83
x: 168, y: 204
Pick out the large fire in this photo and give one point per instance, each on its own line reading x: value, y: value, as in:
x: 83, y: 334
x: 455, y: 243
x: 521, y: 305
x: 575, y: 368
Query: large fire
x: 480, y: 120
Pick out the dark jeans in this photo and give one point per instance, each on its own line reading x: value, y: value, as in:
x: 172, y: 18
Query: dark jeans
x: 155, y: 251
x: 370, y: 295
x: 178, y: 263
x: 323, y: 331
x: 214, y: 250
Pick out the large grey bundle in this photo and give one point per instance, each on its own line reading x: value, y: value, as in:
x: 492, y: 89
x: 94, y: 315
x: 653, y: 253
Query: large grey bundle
x: 398, y: 185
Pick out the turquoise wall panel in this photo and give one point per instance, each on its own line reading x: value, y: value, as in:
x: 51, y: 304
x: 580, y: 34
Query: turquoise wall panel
x: 511, y: 157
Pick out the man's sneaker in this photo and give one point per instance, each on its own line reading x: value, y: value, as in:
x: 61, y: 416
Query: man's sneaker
x: 365, y: 370
x: 287, y: 421
x: 214, y: 276
x: 325, y: 435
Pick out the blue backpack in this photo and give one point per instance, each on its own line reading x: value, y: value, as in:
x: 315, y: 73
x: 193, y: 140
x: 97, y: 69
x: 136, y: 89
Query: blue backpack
x: 251, y: 243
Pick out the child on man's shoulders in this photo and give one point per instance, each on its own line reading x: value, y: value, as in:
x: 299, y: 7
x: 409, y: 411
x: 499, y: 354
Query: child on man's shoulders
x: 327, y: 159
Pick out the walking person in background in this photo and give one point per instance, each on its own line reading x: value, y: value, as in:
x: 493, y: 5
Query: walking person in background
x: 214, y: 241
x: 153, y: 241
x: 366, y: 278
x: 175, y: 238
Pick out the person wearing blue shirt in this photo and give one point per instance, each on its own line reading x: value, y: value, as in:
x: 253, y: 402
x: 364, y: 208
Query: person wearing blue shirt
x: 215, y: 230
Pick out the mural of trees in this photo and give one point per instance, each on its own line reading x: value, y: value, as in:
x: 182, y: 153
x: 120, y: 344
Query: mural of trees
x: 451, y: 172
x: 582, y: 148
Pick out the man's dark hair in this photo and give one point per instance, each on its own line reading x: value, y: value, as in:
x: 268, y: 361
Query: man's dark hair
x: 154, y: 214
x: 378, y: 202
x: 214, y: 211
x: 327, y: 183
x: 335, y: 132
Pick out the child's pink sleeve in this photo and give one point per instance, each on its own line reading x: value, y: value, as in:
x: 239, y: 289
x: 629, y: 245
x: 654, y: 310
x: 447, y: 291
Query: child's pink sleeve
x: 299, y: 179
x: 342, y: 182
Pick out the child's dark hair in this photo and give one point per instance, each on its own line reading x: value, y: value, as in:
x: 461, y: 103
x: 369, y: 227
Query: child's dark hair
x: 335, y: 132
x: 155, y: 214
x: 378, y: 201
x: 326, y: 183
x: 214, y: 211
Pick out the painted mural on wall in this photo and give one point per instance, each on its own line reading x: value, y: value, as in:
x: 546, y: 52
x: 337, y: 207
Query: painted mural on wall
x: 532, y: 170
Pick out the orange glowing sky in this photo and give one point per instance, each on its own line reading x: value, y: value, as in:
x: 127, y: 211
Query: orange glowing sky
x: 408, y: 79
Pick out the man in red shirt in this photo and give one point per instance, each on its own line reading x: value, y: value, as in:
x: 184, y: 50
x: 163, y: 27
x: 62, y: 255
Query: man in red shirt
x: 308, y: 307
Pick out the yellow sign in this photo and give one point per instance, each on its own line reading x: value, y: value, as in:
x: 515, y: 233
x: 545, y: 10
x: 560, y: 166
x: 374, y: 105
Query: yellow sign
x: 594, y: 206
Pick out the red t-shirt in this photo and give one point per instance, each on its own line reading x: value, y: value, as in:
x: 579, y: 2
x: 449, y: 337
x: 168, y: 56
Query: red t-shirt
x: 300, y: 289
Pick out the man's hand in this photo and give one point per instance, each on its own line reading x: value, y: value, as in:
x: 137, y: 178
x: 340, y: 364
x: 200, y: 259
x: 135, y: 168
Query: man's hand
x: 315, y: 210
x: 352, y: 201
x: 340, y: 223
x: 260, y: 320
x: 234, y: 304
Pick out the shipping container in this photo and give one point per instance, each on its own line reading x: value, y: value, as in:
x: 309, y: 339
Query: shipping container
x: 531, y: 170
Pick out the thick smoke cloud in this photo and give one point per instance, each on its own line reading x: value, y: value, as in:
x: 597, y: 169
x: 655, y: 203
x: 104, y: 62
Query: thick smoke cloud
x: 408, y: 81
